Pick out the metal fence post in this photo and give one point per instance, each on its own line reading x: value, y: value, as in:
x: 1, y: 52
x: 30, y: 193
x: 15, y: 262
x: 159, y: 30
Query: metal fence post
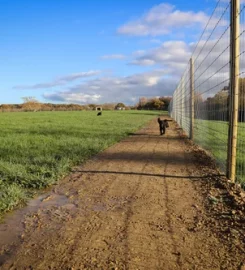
x: 234, y: 88
x: 191, y: 99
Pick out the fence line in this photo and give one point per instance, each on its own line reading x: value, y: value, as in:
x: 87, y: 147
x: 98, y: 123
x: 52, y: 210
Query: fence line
x: 209, y: 101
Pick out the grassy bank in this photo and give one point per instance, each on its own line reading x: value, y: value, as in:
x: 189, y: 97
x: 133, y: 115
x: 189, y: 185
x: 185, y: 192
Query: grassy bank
x: 36, y: 149
x: 213, y: 136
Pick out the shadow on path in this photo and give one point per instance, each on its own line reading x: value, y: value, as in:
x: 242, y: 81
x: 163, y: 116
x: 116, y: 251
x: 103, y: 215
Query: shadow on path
x: 150, y: 174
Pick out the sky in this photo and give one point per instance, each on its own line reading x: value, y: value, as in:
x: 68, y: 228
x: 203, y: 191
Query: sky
x: 96, y: 51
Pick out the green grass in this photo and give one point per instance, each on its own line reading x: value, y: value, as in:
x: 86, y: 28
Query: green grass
x: 213, y: 136
x: 36, y: 149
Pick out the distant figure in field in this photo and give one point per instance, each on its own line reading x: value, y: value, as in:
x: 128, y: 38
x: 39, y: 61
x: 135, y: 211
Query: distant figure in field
x: 163, y: 124
x: 99, y: 113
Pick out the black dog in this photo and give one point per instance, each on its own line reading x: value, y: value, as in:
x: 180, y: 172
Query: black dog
x: 163, y: 124
x: 99, y: 113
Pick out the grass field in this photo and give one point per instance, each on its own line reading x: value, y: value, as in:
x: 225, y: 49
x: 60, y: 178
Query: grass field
x: 36, y: 149
x: 213, y: 136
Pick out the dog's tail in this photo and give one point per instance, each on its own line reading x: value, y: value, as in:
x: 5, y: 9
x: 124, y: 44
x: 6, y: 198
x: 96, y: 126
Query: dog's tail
x: 166, y: 123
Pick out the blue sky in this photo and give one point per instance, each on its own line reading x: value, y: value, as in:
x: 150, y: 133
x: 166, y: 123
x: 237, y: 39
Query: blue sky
x: 94, y: 51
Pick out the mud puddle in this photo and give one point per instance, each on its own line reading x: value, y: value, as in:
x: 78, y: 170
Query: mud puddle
x: 13, y: 225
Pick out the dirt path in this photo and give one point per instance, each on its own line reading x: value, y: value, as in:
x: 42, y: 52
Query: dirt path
x: 137, y: 205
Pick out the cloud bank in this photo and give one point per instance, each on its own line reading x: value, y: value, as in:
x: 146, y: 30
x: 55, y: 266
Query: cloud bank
x: 161, y: 20
x: 60, y: 81
x: 117, y: 89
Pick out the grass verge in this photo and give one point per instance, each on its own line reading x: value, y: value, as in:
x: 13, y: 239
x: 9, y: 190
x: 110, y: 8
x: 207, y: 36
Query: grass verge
x: 213, y: 136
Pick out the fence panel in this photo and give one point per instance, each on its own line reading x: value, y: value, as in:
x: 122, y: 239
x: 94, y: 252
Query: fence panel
x: 211, y: 77
x: 240, y: 169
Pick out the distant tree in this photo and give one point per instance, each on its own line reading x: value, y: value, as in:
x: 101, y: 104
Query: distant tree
x: 108, y: 106
x: 29, y: 99
x: 151, y: 104
x: 133, y: 107
x: 92, y: 106
x: 31, y: 104
x: 142, y: 103
x: 6, y: 107
x: 120, y: 105
x: 157, y: 104
x: 166, y: 101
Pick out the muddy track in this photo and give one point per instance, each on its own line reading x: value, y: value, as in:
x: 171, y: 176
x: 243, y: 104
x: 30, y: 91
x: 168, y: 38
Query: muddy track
x: 137, y: 205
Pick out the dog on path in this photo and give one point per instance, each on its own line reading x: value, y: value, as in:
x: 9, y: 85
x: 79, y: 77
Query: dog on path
x: 163, y: 124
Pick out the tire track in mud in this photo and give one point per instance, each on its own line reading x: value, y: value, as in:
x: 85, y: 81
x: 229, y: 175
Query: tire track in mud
x: 130, y: 194
x: 129, y: 209
x: 172, y: 186
x: 143, y: 236
x: 129, y: 199
x: 111, y: 187
x: 155, y: 259
x: 147, y: 234
x: 168, y: 215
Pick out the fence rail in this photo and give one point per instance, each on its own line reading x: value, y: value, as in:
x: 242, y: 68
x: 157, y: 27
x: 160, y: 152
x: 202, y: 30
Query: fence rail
x: 209, y: 101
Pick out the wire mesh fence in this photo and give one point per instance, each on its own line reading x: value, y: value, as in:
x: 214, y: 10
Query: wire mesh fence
x: 210, y: 75
x: 241, y: 106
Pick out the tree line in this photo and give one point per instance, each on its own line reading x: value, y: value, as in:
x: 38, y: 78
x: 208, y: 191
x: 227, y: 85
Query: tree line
x: 217, y: 107
x: 31, y: 104
x: 156, y: 103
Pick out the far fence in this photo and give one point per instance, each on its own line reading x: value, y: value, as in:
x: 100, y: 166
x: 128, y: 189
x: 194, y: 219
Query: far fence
x: 209, y: 101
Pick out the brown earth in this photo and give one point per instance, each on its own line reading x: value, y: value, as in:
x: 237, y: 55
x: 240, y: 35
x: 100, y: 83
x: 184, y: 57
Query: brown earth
x: 148, y: 202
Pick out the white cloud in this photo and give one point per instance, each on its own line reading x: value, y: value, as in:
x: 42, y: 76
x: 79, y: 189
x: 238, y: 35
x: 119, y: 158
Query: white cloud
x: 113, y: 56
x: 212, y: 54
x: 161, y: 20
x: 172, y: 55
x: 139, y: 53
x: 117, y: 89
x: 69, y: 97
x: 157, y: 41
x: 143, y: 62
x: 60, y: 81
x: 79, y: 75
x: 211, y: 66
